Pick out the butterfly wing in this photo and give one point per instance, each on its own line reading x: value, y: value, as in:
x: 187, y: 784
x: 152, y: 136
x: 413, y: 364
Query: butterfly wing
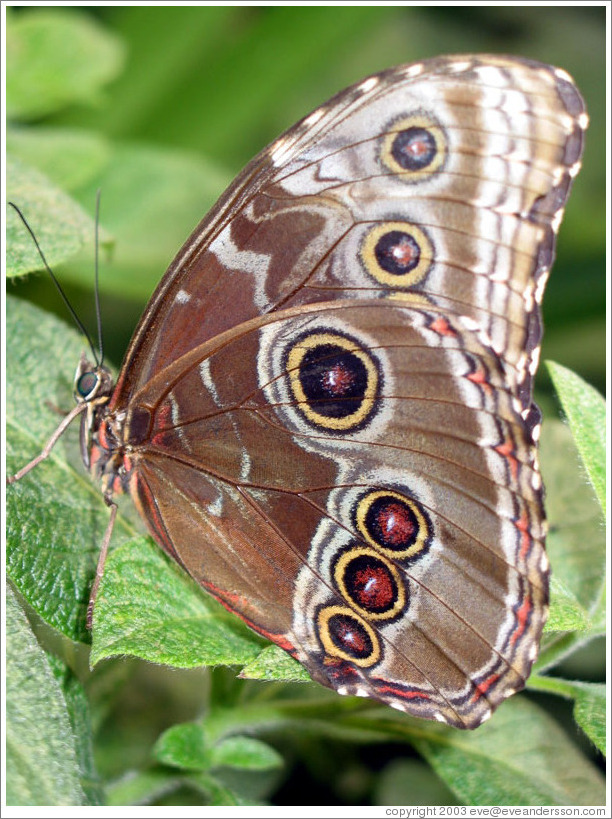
x: 446, y: 178
x: 327, y: 405
x: 353, y: 491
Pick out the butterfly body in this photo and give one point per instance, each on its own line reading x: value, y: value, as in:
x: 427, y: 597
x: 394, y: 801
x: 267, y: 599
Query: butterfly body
x: 325, y: 415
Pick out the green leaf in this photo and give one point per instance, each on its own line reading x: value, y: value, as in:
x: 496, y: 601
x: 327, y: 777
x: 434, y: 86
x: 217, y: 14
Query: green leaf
x: 245, y: 753
x: 566, y: 613
x: 151, y: 200
x: 576, y: 547
x: 411, y: 782
x: 576, y: 538
x: 55, y: 516
x: 70, y: 157
x: 589, y: 703
x: 41, y: 759
x: 142, y: 787
x: 272, y: 663
x: 520, y: 757
x: 585, y: 410
x: 217, y: 793
x: 148, y: 607
x: 183, y: 746
x: 590, y: 711
x: 60, y: 225
x: 77, y: 708
x: 56, y: 58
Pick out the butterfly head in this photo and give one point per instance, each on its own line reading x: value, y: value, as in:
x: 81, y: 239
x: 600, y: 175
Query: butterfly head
x: 93, y: 385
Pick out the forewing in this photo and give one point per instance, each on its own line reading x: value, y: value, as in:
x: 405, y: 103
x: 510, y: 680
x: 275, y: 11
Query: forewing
x: 446, y: 178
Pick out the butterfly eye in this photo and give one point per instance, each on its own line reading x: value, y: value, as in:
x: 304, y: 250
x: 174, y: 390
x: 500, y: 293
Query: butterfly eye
x: 87, y: 385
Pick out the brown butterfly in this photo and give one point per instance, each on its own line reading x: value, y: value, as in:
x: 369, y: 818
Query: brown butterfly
x: 325, y: 414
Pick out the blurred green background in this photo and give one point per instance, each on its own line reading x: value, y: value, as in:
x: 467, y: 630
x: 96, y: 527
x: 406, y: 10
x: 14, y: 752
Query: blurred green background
x: 177, y: 100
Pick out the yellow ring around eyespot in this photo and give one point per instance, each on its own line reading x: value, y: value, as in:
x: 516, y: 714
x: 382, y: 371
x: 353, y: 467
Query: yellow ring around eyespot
x: 294, y: 362
x: 339, y: 572
x: 332, y: 649
x: 417, y: 274
x: 423, y: 525
x: 415, y: 121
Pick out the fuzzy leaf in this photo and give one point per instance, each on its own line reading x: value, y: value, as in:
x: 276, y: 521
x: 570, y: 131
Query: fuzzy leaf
x: 69, y: 157
x: 55, y: 515
x: 589, y: 703
x: 183, y: 746
x: 57, y: 57
x: 575, y: 542
x: 520, y: 757
x: 60, y: 225
x: 246, y: 753
x: 41, y: 763
x: 274, y: 664
x: 149, y: 608
x: 566, y: 613
x: 585, y: 409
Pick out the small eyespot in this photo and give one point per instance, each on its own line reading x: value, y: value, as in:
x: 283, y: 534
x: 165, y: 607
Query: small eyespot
x: 370, y: 583
x: 394, y: 524
x: 347, y: 636
x: 414, y: 147
x: 397, y: 254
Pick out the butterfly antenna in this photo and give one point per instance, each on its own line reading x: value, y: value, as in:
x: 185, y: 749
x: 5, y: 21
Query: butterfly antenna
x: 96, y: 288
x: 60, y: 290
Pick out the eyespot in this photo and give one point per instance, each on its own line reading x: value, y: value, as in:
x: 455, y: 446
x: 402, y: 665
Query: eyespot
x: 393, y: 523
x: 347, y: 636
x: 397, y: 254
x: 334, y: 380
x: 371, y: 583
x: 414, y: 147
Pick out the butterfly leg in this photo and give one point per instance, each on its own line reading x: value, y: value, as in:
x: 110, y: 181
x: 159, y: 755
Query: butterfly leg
x: 77, y: 410
x: 101, y: 561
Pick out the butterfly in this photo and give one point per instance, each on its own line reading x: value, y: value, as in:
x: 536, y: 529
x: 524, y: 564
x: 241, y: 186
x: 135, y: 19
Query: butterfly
x: 325, y: 414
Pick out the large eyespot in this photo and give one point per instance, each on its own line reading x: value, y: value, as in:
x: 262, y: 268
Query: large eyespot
x: 397, y: 254
x: 393, y: 523
x: 335, y: 381
x: 347, y: 636
x: 370, y: 583
x: 414, y: 147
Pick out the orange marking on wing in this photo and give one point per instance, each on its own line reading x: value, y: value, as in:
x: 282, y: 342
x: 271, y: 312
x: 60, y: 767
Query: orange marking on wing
x: 479, y: 377
x: 483, y: 687
x: 103, y: 436
x: 523, y: 526
x: 506, y: 450
x: 442, y: 327
x: 522, y: 617
x: 402, y: 693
